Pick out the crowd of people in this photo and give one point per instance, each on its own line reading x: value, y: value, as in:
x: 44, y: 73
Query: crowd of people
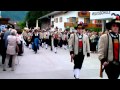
x: 80, y: 42
x: 11, y: 45
x: 49, y: 37
x: 54, y: 38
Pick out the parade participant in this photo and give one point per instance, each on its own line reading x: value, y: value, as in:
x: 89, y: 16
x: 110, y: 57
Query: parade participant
x: 55, y: 41
x: 25, y: 35
x: 109, y: 50
x: 60, y: 39
x: 93, y: 42
x: 79, y: 47
x: 35, y: 41
x: 46, y: 38
x: 29, y: 38
x: 51, y: 39
x: 42, y: 38
x: 65, y: 40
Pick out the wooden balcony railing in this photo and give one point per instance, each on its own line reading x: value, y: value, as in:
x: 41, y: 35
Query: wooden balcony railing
x: 93, y: 25
x: 70, y: 24
x: 84, y: 14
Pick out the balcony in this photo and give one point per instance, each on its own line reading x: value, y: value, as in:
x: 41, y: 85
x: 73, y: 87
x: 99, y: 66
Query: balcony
x: 70, y: 24
x: 84, y: 14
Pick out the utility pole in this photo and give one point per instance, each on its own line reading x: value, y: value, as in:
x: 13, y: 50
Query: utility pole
x: 37, y: 23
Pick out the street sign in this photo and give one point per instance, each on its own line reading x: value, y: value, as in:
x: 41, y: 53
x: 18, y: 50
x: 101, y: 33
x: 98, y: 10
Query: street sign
x: 103, y: 15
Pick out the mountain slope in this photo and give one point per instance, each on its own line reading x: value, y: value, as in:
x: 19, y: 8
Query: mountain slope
x: 14, y: 15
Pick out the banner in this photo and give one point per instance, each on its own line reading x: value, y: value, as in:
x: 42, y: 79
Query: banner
x: 103, y: 14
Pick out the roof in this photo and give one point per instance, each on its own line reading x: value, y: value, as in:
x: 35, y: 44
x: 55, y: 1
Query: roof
x: 5, y: 19
x: 52, y: 13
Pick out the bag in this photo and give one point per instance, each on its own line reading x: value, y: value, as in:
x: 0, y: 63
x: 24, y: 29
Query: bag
x: 17, y: 48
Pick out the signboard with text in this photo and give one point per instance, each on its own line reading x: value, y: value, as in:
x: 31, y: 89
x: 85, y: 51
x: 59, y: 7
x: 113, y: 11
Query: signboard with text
x: 103, y: 14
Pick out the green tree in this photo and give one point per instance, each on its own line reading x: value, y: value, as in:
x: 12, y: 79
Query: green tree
x: 32, y: 16
x: 21, y: 24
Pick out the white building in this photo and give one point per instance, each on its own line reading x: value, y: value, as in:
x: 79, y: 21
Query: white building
x: 63, y: 19
x: 104, y: 16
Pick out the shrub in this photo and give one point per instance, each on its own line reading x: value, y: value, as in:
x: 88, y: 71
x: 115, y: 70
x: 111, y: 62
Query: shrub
x: 95, y: 29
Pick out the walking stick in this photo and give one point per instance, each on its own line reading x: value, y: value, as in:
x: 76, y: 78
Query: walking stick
x: 101, y: 72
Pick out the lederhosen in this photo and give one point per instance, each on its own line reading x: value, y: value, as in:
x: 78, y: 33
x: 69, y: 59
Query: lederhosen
x: 113, y: 68
x: 78, y: 59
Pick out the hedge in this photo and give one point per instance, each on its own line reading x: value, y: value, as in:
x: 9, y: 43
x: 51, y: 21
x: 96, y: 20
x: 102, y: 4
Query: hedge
x: 95, y: 29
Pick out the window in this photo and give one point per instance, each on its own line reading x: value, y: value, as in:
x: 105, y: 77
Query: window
x: 60, y: 19
x: 52, y: 23
x: 87, y: 20
x: 74, y: 19
x: 56, y: 20
x: 68, y: 20
x: 99, y: 21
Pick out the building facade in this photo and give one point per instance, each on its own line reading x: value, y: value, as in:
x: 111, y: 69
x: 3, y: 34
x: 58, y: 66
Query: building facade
x: 64, y: 19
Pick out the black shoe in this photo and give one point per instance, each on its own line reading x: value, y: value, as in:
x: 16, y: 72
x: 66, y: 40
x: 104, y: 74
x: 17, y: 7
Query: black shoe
x: 10, y: 66
x: 20, y: 55
x: 4, y: 69
x: 75, y: 77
